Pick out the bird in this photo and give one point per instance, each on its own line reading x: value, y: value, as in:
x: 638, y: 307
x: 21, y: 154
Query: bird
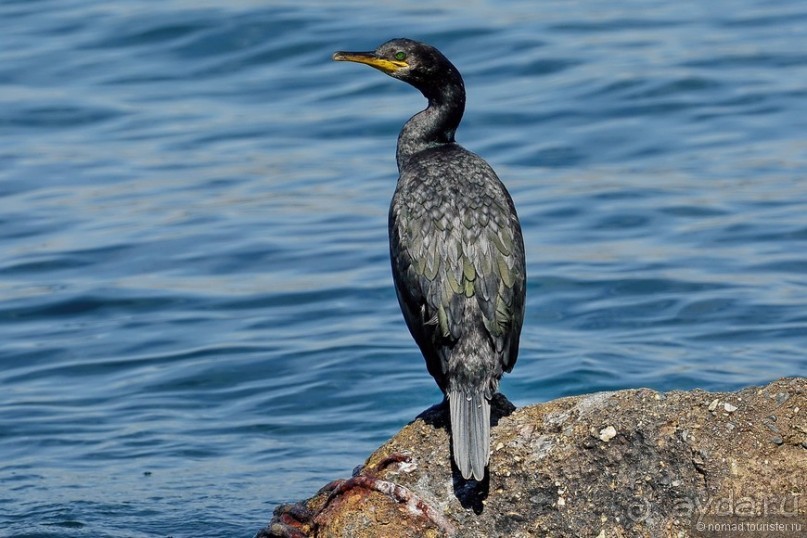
x: 456, y: 248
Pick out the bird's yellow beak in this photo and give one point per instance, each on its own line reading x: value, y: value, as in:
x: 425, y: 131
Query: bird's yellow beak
x: 370, y: 58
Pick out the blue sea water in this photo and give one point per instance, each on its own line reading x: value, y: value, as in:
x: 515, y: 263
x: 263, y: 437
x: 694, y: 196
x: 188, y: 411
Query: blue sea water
x: 197, y: 319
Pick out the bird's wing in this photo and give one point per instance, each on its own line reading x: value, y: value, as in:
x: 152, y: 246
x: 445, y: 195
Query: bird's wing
x: 493, y: 244
x: 448, y: 247
x: 420, y: 250
x: 498, y: 255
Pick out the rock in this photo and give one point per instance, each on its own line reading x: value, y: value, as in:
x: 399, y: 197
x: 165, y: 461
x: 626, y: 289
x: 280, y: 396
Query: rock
x: 673, y: 466
x: 608, y: 433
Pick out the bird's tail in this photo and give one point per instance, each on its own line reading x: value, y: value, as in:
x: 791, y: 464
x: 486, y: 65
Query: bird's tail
x: 470, y: 432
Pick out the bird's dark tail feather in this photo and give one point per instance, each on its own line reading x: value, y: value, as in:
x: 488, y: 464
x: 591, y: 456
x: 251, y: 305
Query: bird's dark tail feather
x: 470, y: 432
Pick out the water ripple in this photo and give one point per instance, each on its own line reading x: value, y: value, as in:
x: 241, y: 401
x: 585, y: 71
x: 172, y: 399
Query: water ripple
x: 198, y: 317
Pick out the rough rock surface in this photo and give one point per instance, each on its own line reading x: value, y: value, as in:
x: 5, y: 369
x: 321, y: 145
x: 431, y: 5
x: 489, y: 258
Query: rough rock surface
x: 627, y: 463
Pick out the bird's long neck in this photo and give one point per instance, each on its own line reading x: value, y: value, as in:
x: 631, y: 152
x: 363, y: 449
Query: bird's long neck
x: 437, y: 123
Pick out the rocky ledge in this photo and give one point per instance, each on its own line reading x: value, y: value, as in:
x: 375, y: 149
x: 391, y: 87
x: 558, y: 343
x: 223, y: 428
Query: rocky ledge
x: 616, y: 464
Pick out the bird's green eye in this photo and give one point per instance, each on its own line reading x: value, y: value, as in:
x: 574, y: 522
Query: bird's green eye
x: 400, y: 56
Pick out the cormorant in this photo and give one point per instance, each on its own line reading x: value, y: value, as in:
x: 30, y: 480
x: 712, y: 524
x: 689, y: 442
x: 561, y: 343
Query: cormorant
x: 456, y: 248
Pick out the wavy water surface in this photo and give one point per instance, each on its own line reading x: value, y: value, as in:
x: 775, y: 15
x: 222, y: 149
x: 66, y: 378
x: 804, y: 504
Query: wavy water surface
x: 197, y: 316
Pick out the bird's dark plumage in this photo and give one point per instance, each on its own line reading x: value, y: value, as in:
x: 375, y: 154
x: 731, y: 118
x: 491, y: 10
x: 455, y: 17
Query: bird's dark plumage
x: 456, y: 247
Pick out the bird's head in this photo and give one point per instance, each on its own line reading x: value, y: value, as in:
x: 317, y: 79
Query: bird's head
x: 419, y: 64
